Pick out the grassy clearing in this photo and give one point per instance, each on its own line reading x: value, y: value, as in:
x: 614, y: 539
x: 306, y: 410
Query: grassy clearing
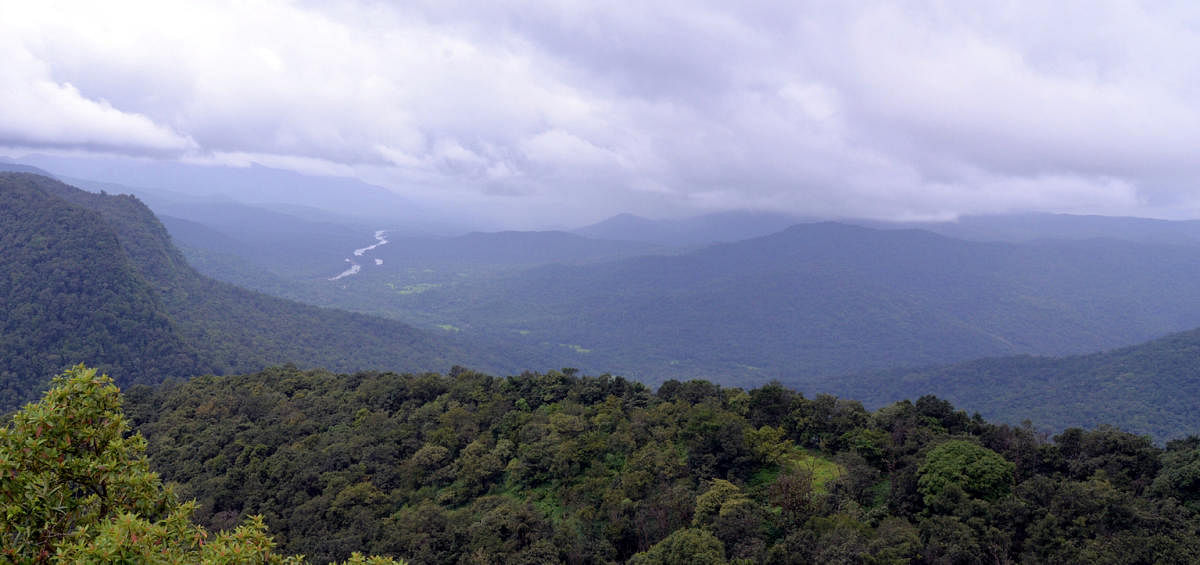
x: 823, y: 470
x: 413, y: 288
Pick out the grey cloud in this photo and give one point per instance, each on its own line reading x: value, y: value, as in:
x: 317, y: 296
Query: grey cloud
x: 844, y: 109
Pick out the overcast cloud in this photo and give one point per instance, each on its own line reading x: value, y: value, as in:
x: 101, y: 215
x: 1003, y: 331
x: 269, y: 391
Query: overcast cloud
x: 544, y: 112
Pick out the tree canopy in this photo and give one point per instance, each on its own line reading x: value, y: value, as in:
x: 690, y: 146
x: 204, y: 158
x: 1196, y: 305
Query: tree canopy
x: 76, y: 487
x: 559, y: 467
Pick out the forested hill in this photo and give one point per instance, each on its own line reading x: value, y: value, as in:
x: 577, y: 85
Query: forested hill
x: 69, y: 292
x: 1152, y: 388
x: 550, y: 468
x: 94, y: 277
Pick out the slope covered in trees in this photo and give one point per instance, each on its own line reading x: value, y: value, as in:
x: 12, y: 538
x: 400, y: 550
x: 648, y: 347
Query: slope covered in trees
x: 1151, y: 388
x: 92, y: 276
x: 69, y: 292
x: 554, y: 467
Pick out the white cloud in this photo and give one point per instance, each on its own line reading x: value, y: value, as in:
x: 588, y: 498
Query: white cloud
x: 40, y: 111
x: 558, y: 148
x: 894, y: 110
x: 984, y: 97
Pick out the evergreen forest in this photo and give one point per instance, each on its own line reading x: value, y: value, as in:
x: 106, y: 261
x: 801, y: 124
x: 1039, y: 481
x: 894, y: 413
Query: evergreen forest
x: 225, y: 444
x: 290, y: 466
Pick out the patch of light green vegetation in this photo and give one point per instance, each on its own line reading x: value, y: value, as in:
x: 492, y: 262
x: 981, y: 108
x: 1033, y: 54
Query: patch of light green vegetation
x: 822, y: 469
x: 414, y: 288
x: 576, y: 348
x: 542, y: 498
x: 449, y: 328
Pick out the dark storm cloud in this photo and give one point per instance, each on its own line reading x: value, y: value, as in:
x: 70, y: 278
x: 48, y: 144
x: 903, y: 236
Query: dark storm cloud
x: 901, y: 110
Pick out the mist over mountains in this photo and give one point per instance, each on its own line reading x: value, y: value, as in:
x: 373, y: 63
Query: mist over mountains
x: 386, y: 462
x: 660, y: 299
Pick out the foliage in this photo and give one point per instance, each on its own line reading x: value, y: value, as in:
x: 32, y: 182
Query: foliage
x: 556, y: 467
x: 67, y: 464
x: 975, y: 469
x: 684, y: 547
x: 68, y: 292
x: 75, y: 488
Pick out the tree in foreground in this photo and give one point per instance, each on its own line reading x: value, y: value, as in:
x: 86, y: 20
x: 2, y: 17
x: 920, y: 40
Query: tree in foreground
x: 75, y: 487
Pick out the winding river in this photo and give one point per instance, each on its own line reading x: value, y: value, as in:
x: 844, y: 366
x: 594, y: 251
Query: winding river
x: 380, y: 239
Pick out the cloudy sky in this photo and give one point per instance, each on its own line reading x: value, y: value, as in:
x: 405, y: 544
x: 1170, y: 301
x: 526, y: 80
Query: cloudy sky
x: 578, y: 110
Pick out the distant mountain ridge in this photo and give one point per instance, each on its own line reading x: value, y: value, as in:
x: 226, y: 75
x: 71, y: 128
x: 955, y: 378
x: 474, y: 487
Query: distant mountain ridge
x: 95, y: 277
x: 14, y: 167
x: 1019, y: 228
x: 1150, y: 388
x: 829, y: 298
x: 736, y: 225
x: 255, y: 185
x: 720, y: 227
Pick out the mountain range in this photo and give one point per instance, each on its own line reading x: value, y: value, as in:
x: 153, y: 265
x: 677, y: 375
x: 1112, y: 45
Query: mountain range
x: 829, y: 298
x: 94, y: 277
x: 824, y: 307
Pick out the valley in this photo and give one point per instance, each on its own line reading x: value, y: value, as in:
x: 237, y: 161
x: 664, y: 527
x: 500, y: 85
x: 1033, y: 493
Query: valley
x: 746, y: 342
x: 649, y: 283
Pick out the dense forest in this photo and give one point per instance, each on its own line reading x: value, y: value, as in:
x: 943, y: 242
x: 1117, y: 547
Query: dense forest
x: 556, y: 467
x: 75, y: 487
x: 69, y: 292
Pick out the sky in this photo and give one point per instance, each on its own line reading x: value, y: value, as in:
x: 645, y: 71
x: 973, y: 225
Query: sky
x: 569, y: 111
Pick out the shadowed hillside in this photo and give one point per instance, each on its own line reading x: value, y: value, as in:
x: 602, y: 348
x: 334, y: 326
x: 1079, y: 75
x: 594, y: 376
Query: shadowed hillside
x: 94, y: 276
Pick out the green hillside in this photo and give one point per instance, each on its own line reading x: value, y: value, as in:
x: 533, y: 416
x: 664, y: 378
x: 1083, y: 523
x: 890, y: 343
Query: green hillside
x: 94, y: 276
x: 68, y: 292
